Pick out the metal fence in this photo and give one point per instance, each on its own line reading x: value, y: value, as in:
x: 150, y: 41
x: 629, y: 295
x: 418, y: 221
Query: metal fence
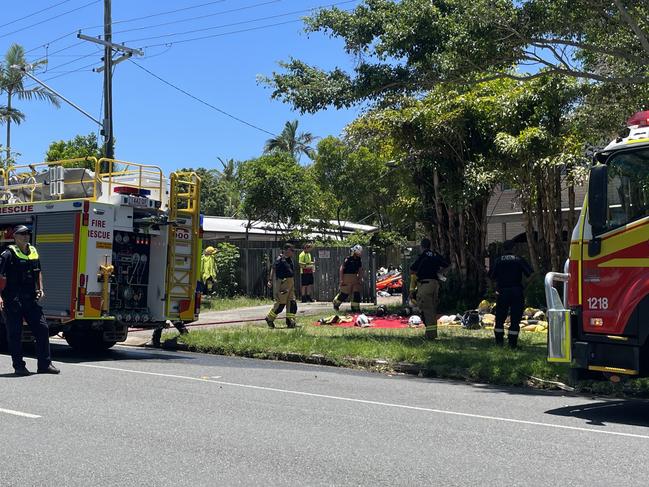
x: 256, y: 264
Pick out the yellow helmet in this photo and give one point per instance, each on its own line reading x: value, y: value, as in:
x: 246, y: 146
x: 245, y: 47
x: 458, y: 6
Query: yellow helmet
x: 209, y: 250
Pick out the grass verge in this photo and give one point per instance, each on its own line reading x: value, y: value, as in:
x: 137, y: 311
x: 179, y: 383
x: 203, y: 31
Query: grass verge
x: 457, y: 354
x: 222, y: 304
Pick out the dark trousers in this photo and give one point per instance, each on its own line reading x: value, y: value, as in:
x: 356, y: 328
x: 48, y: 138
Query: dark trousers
x: 32, y: 313
x: 510, y: 301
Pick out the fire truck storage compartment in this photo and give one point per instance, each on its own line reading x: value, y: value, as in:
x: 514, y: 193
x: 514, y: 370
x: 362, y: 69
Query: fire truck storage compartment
x: 53, y: 235
x: 130, y: 288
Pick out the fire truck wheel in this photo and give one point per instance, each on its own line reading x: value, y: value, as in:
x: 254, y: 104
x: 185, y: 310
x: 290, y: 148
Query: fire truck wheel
x: 87, y: 340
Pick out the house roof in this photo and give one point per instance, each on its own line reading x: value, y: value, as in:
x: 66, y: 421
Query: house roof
x: 215, y: 227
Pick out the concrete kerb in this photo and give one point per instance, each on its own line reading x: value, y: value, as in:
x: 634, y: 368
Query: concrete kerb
x: 318, y: 359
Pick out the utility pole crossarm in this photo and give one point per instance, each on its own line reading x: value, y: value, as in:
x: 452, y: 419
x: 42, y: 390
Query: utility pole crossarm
x: 112, y: 45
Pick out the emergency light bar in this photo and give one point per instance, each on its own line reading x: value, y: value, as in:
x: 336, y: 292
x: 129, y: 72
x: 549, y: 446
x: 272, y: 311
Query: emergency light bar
x: 640, y: 119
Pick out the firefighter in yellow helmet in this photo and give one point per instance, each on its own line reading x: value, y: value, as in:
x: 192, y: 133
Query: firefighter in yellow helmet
x: 208, y: 270
x: 351, y: 280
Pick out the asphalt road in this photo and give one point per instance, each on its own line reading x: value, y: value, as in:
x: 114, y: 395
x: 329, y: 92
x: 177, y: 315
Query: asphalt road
x: 141, y: 417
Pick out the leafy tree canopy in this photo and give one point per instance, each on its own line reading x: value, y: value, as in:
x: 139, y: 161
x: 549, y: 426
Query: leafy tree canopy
x: 78, y: 147
x: 275, y: 188
x: 410, y: 46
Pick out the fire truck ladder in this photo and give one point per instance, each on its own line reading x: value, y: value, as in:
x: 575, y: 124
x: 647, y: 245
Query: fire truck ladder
x: 184, y: 245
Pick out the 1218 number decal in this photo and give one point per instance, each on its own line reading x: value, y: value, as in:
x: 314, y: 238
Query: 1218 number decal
x: 597, y: 303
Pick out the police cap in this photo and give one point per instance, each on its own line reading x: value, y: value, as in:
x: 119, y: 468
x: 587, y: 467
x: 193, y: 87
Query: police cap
x: 21, y: 229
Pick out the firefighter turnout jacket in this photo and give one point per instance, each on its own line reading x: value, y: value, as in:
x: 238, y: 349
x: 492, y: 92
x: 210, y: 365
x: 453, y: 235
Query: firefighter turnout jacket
x: 284, y: 267
x: 508, y: 271
x: 428, y: 264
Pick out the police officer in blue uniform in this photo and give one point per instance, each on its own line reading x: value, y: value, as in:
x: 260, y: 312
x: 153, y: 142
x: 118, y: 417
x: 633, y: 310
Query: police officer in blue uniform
x: 21, y: 269
x: 508, y: 272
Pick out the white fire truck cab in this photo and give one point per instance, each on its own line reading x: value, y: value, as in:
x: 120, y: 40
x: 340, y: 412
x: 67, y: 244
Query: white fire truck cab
x: 119, y: 245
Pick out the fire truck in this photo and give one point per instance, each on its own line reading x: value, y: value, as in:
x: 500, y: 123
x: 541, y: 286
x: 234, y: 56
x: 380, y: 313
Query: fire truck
x: 601, y: 324
x: 119, y: 245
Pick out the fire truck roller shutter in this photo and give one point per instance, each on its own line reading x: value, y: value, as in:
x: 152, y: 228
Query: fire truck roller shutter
x: 54, y: 239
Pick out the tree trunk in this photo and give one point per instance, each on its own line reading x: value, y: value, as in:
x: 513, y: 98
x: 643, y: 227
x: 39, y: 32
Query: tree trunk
x: 8, y: 159
x: 462, y: 243
x: 439, y: 212
x: 572, y: 217
x: 526, y: 205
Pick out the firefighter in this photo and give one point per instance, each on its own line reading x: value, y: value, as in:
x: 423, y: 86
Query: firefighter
x: 284, y: 271
x: 208, y: 270
x: 351, y: 279
x: 21, y: 269
x: 307, y: 267
x: 157, y: 332
x: 508, y: 271
x: 424, y: 285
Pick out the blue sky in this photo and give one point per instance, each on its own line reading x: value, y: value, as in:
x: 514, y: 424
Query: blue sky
x: 154, y: 123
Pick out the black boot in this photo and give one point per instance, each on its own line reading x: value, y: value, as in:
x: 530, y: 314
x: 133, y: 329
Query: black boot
x: 513, y: 341
x: 270, y: 323
x: 500, y: 338
x: 303, y: 298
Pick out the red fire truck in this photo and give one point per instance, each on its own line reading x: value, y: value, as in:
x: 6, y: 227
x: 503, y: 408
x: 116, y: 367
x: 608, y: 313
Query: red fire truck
x: 119, y: 244
x: 603, y: 327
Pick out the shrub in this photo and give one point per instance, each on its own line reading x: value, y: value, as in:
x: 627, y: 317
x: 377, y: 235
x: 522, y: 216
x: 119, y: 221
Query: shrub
x: 227, y: 265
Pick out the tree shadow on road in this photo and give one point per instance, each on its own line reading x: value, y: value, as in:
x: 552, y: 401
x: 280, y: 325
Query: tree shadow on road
x: 601, y: 413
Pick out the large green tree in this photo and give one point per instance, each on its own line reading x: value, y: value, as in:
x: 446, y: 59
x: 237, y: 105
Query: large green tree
x: 76, y: 148
x: 410, y: 46
x: 362, y: 184
x: 13, y: 87
x: 276, y: 189
x: 291, y: 141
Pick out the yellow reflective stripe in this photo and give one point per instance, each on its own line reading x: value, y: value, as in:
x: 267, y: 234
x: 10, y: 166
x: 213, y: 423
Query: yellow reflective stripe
x: 55, y: 238
x: 33, y: 253
x: 616, y: 370
x: 83, y: 248
x: 616, y: 337
x: 636, y: 141
x: 625, y: 263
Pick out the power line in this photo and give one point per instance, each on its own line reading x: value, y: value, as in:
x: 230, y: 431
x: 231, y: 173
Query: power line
x: 223, y: 112
x: 51, y: 18
x: 222, y: 12
x: 243, y: 22
x: 159, y: 14
x: 52, y: 42
x: 34, y: 13
x: 82, y: 68
x: 223, y: 34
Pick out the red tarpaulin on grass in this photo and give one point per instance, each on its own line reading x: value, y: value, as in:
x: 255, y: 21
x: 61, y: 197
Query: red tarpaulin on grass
x: 383, y: 322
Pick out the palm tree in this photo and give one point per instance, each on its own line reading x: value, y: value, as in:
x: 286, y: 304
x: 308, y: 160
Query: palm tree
x: 292, y: 142
x: 11, y: 83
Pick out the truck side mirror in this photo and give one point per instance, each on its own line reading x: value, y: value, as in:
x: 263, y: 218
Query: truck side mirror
x: 598, y: 197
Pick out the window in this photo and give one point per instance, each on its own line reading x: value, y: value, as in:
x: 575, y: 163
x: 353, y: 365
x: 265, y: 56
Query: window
x: 628, y: 187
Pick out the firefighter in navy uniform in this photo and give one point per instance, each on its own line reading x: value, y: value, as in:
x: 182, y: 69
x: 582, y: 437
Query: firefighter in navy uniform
x: 21, y: 269
x: 424, y: 285
x: 351, y: 281
x: 284, y: 271
x: 508, y: 271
